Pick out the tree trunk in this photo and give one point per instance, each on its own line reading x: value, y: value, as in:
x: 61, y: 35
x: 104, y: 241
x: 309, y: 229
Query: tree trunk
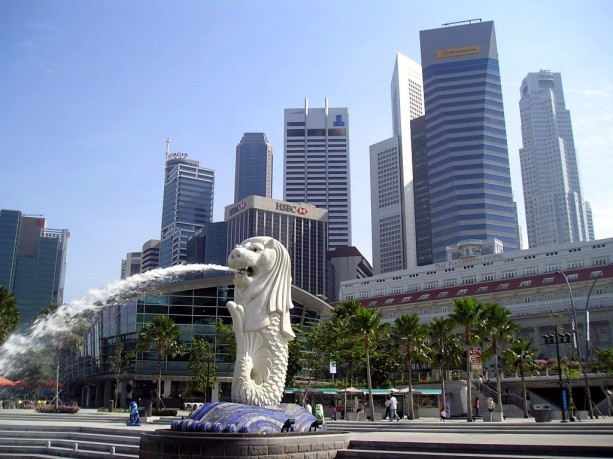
x: 370, y: 399
x: 444, y: 402
x: 498, y: 382
x: 159, y: 378
x: 57, y: 384
x: 523, y: 385
x: 411, y: 413
x: 469, y: 393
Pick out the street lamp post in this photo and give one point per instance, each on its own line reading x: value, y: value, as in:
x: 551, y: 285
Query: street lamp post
x: 555, y: 338
x: 574, y: 317
x: 575, y: 327
x: 587, y: 318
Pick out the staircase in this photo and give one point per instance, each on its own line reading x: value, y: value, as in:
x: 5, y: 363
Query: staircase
x: 45, y: 440
x: 455, y: 440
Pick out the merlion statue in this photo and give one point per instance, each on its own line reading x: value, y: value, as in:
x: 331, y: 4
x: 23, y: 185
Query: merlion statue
x: 261, y: 323
x: 261, y: 320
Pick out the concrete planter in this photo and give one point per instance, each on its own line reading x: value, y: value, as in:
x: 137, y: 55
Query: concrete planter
x: 495, y: 416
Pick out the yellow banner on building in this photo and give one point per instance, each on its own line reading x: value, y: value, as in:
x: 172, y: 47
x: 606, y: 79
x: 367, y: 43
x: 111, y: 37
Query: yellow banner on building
x: 453, y: 52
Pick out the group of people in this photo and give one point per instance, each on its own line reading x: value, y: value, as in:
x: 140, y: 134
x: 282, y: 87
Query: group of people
x: 491, y: 405
x: 391, y: 408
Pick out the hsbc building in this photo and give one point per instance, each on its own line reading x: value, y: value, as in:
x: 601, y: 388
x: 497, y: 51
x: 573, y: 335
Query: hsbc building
x: 301, y: 228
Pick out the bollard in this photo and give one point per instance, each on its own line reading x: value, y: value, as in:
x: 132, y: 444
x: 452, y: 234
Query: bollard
x: 111, y: 405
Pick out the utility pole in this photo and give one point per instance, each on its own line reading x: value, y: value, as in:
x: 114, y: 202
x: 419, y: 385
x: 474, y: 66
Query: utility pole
x: 556, y: 338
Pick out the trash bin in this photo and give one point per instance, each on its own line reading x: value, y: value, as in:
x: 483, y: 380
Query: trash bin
x: 542, y: 413
x: 111, y: 405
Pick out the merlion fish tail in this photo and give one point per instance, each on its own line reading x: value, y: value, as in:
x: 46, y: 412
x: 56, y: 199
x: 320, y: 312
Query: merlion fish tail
x: 261, y: 361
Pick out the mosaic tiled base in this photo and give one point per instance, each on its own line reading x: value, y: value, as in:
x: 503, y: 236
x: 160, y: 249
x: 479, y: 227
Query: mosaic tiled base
x: 234, y: 417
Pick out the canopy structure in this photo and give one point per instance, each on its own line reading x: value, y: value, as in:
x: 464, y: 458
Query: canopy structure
x: 6, y: 382
x: 351, y: 390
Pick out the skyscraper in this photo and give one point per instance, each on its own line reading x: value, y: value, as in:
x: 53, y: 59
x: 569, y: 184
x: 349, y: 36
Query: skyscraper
x: 131, y: 264
x: 209, y: 244
x: 188, y: 204
x: 391, y: 175
x: 253, y: 173
x: 468, y: 161
x: 316, y: 165
x: 555, y: 210
x: 150, y: 255
x: 32, y: 262
x: 421, y: 191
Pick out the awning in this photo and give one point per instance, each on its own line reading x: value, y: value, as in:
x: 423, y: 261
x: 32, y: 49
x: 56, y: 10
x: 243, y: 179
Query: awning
x: 428, y: 391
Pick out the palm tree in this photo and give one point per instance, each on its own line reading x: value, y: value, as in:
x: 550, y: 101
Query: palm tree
x: 164, y: 334
x: 498, y: 328
x: 445, y: 350
x: 366, y: 322
x: 468, y: 314
x: 9, y: 314
x: 521, y: 357
x: 346, y: 309
x: 412, y: 336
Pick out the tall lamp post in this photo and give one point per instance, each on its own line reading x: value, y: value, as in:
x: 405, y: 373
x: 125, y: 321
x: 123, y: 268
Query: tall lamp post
x: 587, y: 316
x: 575, y: 327
x: 574, y: 317
x: 555, y: 338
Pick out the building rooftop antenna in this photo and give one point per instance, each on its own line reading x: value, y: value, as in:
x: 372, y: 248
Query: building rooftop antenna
x: 167, y: 147
x: 469, y: 21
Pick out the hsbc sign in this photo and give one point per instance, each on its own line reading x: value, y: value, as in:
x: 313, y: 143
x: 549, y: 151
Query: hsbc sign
x: 237, y: 208
x: 291, y: 209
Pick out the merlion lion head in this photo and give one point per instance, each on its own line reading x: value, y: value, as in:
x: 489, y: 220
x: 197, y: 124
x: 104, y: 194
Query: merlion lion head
x: 262, y: 283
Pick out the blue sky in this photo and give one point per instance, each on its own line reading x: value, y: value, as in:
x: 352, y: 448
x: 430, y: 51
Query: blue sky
x: 90, y: 90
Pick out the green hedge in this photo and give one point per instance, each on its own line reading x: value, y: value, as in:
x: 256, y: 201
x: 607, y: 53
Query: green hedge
x: 59, y: 409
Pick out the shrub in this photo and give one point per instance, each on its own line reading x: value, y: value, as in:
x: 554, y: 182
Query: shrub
x: 59, y: 409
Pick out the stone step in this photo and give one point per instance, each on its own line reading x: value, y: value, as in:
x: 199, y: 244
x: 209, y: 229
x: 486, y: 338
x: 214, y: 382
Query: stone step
x: 416, y: 450
x: 120, y: 439
x: 465, y: 427
x: 33, y: 452
x: 72, y: 445
x: 357, y: 454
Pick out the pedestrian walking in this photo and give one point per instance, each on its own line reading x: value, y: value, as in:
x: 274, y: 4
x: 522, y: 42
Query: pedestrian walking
x: 393, y: 408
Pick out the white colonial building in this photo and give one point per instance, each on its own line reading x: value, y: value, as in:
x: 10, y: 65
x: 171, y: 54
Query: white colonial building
x: 536, y: 285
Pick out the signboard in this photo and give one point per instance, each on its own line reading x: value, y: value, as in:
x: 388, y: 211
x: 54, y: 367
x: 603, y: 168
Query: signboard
x: 332, y: 367
x: 454, y: 52
x: 475, y: 359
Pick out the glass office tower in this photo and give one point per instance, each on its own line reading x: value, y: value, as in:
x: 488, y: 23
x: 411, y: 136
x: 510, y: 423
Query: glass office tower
x: 188, y: 205
x: 32, y: 262
x: 253, y: 174
x: 469, y: 175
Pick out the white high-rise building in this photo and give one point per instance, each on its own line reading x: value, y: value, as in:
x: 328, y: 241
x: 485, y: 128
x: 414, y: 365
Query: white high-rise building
x: 555, y: 210
x: 316, y: 165
x: 391, y: 175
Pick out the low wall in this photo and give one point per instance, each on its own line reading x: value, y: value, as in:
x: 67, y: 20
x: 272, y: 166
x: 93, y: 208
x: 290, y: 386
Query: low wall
x: 168, y: 444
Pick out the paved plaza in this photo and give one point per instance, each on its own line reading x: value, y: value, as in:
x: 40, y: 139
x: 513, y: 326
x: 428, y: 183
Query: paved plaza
x: 590, y: 433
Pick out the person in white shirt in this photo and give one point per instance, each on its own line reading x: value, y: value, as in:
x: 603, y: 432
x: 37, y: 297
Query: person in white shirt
x: 393, y: 408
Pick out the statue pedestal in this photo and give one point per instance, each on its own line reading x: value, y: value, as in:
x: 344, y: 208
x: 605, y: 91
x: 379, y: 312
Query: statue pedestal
x: 201, y: 445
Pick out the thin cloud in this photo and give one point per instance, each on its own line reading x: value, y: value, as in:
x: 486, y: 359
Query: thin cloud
x: 26, y: 44
x: 592, y: 92
x: 45, y: 24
